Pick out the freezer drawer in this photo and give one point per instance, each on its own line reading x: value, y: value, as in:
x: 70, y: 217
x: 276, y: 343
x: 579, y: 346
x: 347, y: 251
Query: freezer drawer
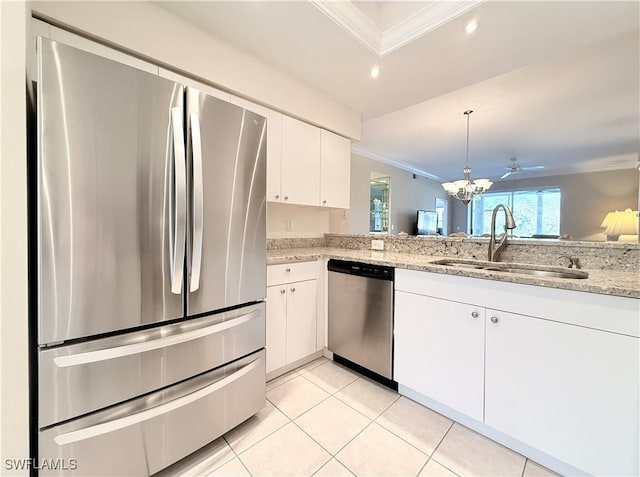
x: 77, y: 379
x: 145, y: 435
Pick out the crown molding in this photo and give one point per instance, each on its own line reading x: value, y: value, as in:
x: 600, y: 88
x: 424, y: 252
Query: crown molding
x: 368, y: 153
x: 422, y: 22
x: 357, y: 24
x: 353, y: 21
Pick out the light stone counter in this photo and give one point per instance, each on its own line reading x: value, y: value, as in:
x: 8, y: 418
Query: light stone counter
x: 607, y: 282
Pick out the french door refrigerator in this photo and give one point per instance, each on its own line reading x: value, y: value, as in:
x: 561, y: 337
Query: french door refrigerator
x: 151, y: 266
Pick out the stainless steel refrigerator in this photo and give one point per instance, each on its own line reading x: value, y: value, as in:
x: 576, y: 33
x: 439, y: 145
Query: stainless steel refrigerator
x: 151, y: 266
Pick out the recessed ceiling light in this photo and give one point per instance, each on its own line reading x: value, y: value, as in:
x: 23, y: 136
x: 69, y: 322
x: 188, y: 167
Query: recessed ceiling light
x: 375, y: 72
x: 471, y: 26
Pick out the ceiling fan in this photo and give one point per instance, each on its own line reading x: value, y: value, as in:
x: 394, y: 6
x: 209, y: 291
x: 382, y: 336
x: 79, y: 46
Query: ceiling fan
x: 515, y: 167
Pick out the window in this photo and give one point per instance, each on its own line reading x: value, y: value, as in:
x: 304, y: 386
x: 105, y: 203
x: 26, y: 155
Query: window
x: 536, y: 212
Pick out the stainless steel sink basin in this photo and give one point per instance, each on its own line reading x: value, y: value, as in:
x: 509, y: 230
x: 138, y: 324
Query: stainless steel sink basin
x: 525, y: 269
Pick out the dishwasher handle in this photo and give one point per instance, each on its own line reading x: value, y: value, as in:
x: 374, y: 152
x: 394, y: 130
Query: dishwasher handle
x: 365, y: 270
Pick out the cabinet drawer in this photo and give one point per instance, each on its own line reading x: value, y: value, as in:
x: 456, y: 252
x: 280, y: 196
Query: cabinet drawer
x: 291, y: 272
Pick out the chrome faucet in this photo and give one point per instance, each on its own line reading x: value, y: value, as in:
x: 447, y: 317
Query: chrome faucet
x: 509, y: 223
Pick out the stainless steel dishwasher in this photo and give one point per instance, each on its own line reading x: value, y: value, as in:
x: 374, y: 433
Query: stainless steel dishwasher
x: 361, y: 317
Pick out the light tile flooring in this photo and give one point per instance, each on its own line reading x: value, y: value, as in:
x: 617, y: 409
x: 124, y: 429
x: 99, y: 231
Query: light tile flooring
x: 325, y: 420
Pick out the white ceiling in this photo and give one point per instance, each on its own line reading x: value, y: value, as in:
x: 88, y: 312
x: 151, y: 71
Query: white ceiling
x: 553, y: 83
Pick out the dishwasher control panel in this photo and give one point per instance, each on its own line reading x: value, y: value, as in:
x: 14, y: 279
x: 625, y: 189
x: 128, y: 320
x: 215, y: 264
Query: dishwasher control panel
x: 361, y: 269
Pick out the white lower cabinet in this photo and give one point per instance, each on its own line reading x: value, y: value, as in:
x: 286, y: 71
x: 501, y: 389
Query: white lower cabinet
x: 276, y: 327
x: 569, y: 391
x: 557, y: 371
x: 301, y: 319
x: 291, y: 321
x: 439, y: 350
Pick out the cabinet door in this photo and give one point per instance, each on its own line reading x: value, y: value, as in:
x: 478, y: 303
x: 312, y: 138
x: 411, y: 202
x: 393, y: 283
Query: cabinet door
x: 301, y: 319
x: 439, y: 351
x: 276, y: 327
x: 569, y: 391
x: 335, y: 169
x: 300, y: 162
x: 274, y: 145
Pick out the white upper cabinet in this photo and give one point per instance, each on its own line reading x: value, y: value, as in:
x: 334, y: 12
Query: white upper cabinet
x: 335, y: 167
x: 300, y: 162
x: 274, y: 146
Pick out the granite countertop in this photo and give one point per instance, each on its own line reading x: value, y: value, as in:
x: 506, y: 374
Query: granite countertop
x: 606, y: 282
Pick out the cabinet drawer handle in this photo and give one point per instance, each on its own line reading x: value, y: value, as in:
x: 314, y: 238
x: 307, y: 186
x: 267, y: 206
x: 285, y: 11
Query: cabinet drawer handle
x: 288, y: 269
x: 283, y: 291
x: 494, y: 319
x: 293, y: 289
x: 286, y: 197
x: 324, y: 201
x: 277, y: 196
x: 474, y: 314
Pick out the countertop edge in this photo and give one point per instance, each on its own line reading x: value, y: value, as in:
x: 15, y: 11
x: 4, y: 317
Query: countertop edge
x: 423, y: 263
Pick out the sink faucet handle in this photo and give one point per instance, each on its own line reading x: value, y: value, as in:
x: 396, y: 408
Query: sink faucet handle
x: 573, y: 261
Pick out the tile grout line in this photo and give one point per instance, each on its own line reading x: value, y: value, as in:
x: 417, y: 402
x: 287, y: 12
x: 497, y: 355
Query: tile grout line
x: 423, y: 466
x: 329, y: 393
x: 258, y: 441
x: 406, y: 441
x: 320, y: 468
x: 360, y: 412
x: 294, y: 373
x: 331, y: 456
x: 350, y: 441
x: 307, y: 368
x: 345, y: 466
x: 438, y: 446
x: 336, y: 391
x: 237, y: 456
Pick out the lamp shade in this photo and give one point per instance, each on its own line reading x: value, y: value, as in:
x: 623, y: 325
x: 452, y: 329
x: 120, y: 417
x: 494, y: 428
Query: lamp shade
x: 622, y: 223
x: 607, y: 219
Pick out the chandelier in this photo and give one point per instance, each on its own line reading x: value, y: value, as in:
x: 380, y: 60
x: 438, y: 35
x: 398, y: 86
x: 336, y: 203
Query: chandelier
x: 466, y: 189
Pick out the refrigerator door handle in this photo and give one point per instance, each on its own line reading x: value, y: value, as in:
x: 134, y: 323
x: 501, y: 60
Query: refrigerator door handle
x: 137, y: 348
x: 111, y: 426
x: 180, y: 202
x: 198, y: 204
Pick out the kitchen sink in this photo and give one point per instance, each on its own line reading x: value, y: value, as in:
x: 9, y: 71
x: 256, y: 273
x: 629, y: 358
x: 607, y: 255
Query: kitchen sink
x: 525, y: 269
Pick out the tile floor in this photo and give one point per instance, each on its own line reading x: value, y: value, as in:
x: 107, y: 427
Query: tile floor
x: 325, y: 420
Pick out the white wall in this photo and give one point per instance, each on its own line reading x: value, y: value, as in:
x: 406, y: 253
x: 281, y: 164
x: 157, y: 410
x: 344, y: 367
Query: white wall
x: 153, y: 33
x: 407, y: 195
x: 305, y: 221
x: 14, y: 388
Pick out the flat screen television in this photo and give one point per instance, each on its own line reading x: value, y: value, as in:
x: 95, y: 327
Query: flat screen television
x: 427, y: 223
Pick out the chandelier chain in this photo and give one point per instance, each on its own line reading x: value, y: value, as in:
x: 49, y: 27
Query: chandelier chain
x: 468, y: 114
